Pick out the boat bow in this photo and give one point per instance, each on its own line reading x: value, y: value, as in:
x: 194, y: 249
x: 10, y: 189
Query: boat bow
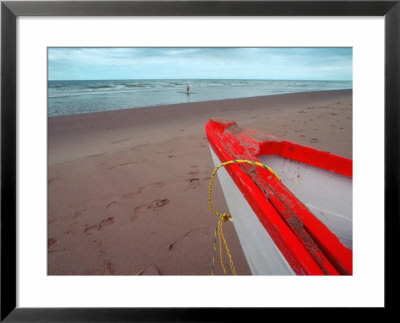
x: 305, y: 244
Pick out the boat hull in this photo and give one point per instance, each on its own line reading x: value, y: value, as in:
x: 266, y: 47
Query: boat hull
x: 261, y: 252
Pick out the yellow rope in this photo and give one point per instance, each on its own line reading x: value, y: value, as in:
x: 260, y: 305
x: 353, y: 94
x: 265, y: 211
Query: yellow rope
x: 223, y: 217
x: 220, y: 246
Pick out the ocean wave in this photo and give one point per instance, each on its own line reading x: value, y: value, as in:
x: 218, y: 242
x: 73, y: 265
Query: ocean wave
x: 96, y: 87
x: 66, y: 97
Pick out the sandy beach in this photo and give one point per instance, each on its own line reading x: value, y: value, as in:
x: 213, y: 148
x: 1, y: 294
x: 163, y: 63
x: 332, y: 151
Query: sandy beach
x: 128, y: 189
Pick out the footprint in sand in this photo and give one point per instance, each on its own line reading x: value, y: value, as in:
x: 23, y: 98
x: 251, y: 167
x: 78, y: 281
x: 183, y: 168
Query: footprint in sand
x: 51, y: 241
x: 79, y: 213
x: 195, y: 233
x: 157, y: 204
x: 193, y: 181
x: 124, y: 164
x: 149, y: 207
x: 150, y: 270
x: 112, y: 204
x: 314, y: 140
x: 99, y: 226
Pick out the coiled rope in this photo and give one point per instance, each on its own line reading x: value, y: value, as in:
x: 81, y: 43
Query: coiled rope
x: 223, y: 217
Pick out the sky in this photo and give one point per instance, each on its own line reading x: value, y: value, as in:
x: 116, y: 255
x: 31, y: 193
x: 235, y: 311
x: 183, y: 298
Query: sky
x: 200, y: 63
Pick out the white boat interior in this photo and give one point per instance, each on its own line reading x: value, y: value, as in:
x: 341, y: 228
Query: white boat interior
x: 326, y: 194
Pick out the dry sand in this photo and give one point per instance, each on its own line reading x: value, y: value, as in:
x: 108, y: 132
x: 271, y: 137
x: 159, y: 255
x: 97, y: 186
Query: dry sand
x: 128, y: 189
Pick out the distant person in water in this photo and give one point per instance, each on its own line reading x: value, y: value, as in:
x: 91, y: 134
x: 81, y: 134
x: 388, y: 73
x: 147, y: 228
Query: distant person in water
x: 187, y: 89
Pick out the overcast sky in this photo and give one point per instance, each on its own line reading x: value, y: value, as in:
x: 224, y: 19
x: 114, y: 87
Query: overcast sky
x: 200, y: 63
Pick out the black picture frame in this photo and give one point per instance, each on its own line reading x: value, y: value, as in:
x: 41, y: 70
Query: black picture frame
x: 10, y: 10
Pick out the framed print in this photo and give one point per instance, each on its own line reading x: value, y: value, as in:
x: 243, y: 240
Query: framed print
x: 112, y: 137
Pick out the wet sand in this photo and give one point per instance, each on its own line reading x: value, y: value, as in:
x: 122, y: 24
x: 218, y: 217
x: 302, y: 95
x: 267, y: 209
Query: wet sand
x: 128, y: 189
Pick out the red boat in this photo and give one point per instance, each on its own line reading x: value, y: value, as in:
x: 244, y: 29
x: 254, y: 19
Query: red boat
x: 296, y: 223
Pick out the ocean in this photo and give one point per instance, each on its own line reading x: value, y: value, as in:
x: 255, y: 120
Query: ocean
x: 75, y: 97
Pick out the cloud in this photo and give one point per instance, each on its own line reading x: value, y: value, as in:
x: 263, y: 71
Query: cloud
x: 150, y: 63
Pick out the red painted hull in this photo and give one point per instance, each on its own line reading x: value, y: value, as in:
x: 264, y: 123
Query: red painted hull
x: 308, y: 245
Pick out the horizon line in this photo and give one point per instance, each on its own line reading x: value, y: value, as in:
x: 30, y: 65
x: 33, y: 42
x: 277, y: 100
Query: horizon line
x: 164, y: 79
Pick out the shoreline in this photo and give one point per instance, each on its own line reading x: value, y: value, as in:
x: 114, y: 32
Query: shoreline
x: 173, y: 104
x: 128, y: 189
